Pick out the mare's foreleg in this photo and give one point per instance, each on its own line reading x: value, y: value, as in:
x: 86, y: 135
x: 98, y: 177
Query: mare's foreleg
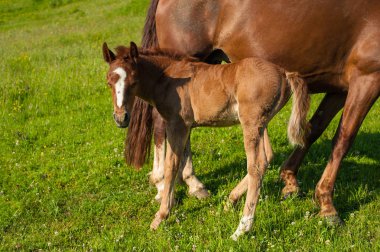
x: 363, y: 92
x: 177, y: 135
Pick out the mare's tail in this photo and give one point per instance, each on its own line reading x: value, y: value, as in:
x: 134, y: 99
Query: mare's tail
x: 149, y: 34
x: 298, y: 127
x: 139, y: 136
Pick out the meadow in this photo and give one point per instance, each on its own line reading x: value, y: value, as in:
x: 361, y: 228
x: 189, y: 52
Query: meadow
x: 64, y: 185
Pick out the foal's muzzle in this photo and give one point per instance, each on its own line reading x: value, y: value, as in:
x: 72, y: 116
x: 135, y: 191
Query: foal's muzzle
x: 121, y: 120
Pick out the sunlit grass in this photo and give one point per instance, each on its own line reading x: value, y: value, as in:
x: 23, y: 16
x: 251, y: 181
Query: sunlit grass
x: 63, y: 181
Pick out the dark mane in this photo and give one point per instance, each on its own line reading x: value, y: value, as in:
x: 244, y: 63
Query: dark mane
x: 123, y: 51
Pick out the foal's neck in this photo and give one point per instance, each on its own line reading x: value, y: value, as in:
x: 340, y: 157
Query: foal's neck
x: 152, y: 73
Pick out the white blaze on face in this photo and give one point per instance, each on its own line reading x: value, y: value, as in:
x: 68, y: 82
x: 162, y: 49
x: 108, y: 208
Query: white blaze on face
x: 119, y: 86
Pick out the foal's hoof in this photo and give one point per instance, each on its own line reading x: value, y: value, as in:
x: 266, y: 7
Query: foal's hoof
x: 229, y: 205
x: 244, y: 227
x: 235, y: 236
x: 158, y: 198
x: 201, y: 193
x: 156, y: 223
x: 334, y: 220
x: 153, y: 180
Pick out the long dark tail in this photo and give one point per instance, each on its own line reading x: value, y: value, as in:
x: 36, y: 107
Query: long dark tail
x: 298, y: 127
x: 149, y: 35
x: 139, y: 136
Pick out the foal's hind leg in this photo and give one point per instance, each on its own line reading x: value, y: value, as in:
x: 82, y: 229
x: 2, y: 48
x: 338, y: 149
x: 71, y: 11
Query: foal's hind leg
x: 256, y: 166
x: 363, y: 92
x: 267, y: 146
x: 241, y: 188
x: 329, y: 107
x: 186, y: 173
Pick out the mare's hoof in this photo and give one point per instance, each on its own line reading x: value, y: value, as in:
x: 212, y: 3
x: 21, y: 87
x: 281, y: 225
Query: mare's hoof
x: 334, y: 220
x: 290, y: 192
x: 201, y: 193
x: 291, y: 195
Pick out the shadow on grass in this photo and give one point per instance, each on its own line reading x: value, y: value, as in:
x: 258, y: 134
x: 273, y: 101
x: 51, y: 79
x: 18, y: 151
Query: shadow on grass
x: 353, y: 176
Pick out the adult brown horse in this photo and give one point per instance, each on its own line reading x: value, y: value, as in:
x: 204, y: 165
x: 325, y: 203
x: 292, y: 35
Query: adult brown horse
x: 335, y: 45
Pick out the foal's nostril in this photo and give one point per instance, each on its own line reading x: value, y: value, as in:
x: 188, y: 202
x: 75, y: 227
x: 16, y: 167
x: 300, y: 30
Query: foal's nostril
x: 122, y: 120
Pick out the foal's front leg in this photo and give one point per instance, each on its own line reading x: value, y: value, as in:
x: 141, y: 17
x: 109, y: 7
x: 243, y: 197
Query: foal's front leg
x: 186, y: 173
x: 177, y: 137
x: 157, y: 175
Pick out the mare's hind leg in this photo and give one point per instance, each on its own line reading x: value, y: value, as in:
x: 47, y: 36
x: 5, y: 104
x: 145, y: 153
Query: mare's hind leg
x: 362, y: 73
x: 363, y: 92
x: 186, y: 173
x: 157, y: 175
x: 241, y: 188
x: 329, y: 107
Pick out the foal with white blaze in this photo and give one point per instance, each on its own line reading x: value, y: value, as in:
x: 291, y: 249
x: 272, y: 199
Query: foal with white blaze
x: 190, y: 94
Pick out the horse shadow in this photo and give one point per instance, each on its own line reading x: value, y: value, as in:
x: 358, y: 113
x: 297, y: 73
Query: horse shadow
x: 358, y: 182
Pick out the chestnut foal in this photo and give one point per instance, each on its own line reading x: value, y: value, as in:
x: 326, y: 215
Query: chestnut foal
x: 190, y: 94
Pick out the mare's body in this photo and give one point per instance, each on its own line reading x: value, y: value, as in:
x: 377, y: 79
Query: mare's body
x: 334, y: 44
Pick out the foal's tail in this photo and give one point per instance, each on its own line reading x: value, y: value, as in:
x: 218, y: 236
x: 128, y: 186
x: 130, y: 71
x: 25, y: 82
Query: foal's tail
x: 298, y: 127
x: 139, y: 136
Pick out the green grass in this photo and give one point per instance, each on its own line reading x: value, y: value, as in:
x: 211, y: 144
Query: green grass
x: 63, y: 181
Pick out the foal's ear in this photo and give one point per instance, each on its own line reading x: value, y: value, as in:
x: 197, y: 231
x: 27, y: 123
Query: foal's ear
x: 108, y: 54
x: 133, y: 51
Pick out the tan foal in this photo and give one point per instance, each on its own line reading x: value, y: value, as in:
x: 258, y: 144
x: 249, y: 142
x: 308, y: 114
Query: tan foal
x: 188, y: 94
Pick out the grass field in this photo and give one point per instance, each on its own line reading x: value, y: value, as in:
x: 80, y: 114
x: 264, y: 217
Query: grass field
x: 63, y: 181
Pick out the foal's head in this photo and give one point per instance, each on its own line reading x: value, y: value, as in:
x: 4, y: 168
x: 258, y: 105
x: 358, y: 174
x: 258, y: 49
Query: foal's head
x: 122, y: 79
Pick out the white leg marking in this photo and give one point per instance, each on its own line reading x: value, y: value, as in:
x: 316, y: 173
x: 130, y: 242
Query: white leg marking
x: 160, y: 189
x: 119, y: 86
x: 158, y: 164
x: 157, y: 175
x: 244, y: 226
